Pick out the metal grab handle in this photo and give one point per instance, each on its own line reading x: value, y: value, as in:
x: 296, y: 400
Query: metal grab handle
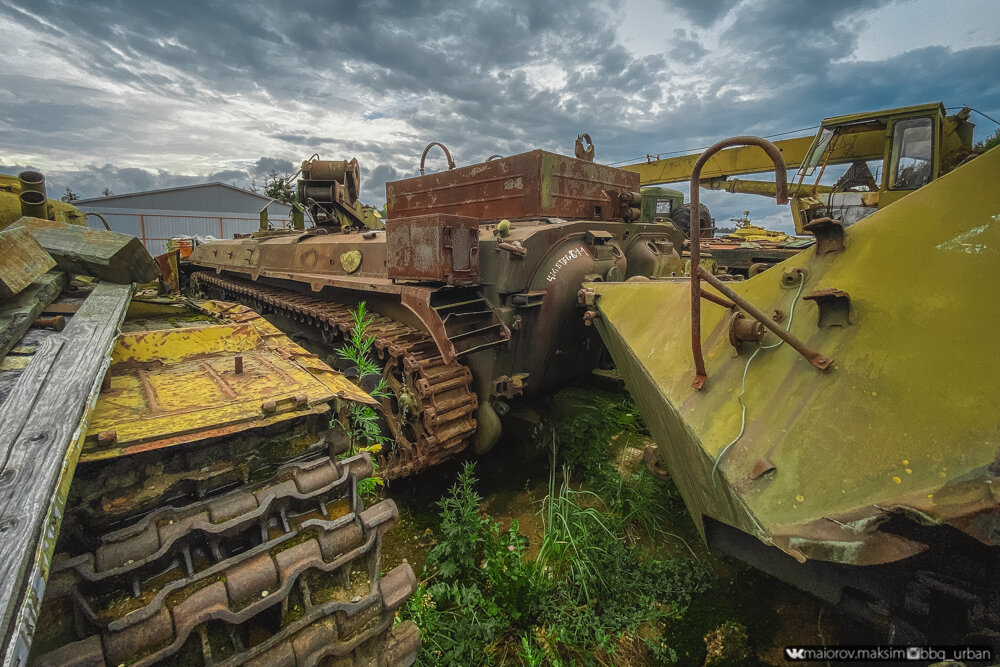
x: 781, y: 196
x: 447, y: 154
x: 581, y: 152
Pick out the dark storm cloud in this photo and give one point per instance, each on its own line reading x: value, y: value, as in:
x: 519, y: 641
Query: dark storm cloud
x: 685, y: 47
x: 789, y: 38
x: 448, y: 59
x: 373, y: 182
x: 486, y: 77
x: 268, y: 165
x: 91, y: 180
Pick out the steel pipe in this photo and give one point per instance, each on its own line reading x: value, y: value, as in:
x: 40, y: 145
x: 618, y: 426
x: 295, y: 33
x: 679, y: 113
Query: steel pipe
x: 715, y: 298
x: 32, y: 181
x: 34, y: 204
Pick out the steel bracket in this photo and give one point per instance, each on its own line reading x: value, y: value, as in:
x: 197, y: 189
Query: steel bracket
x: 829, y: 235
x: 835, y: 308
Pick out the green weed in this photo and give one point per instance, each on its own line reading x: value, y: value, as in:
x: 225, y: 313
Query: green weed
x: 583, y: 424
x: 578, y: 539
x: 532, y: 655
x: 586, y: 592
x: 365, y: 423
x: 463, y: 531
x: 482, y: 584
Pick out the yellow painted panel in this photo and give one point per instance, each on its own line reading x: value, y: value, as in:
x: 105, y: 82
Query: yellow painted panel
x: 168, y: 386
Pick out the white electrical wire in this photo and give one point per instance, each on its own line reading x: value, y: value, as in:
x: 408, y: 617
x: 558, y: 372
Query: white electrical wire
x: 743, y: 388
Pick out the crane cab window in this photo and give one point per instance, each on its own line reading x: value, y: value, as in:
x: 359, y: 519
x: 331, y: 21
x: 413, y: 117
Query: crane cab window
x: 912, y: 154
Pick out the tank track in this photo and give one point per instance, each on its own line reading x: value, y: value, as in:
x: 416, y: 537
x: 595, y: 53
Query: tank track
x: 445, y: 418
x: 282, y: 573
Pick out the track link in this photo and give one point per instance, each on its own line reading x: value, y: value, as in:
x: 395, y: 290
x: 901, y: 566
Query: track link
x: 437, y: 418
x: 286, y: 572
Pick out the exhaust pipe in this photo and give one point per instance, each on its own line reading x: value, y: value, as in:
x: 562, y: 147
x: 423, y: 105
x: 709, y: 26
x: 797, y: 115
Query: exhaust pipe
x: 32, y: 181
x: 34, y: 203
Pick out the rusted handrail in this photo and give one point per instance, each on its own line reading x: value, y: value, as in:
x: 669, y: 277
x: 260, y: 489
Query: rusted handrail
x: 781, y: 196
x: 715, y: 298
x: 447, y: 154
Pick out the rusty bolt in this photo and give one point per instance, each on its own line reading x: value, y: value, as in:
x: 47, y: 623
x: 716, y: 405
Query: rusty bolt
x: 589, y: 317
x: 268, y: 407
x: 239, y: 364
x: 107, y: 437
x: 778, y: 316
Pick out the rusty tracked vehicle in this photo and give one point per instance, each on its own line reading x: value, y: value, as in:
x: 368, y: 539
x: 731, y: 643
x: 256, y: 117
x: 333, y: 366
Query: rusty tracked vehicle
x: 214, y: 517
x: 473, y: 283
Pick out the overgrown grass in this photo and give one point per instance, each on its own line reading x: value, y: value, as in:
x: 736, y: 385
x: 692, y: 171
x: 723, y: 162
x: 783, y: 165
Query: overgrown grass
x: 582, y: 424
x: 587, y: 591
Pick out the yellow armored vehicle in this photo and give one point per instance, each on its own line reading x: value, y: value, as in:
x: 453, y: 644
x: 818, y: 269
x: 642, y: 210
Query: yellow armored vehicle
x: 178, y: 480
x: 833, y: 420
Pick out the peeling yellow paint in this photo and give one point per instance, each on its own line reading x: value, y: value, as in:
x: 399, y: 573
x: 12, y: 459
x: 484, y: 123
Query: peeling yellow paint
x: 171, y: 386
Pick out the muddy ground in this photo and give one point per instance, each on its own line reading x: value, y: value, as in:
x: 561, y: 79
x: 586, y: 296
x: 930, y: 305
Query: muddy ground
x: 514, y: 477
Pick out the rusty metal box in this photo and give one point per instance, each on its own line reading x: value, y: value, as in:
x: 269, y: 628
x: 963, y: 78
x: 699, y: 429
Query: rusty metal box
x: 529, y: 185
x: 440, y: 248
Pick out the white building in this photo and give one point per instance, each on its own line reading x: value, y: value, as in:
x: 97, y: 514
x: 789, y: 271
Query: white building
x: 207, y: 209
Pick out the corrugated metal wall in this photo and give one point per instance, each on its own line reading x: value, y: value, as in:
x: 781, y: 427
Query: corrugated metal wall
x: 154, y: 227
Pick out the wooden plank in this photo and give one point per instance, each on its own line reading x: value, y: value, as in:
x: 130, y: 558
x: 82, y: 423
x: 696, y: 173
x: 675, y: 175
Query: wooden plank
x: 117, y: 258
x: 42, y: 427
x: 21, y: 261
x: 61, y: 308
x: 17, y: 314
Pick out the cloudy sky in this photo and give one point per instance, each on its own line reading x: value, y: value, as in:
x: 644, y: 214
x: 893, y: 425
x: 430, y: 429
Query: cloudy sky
x: 140, y: 95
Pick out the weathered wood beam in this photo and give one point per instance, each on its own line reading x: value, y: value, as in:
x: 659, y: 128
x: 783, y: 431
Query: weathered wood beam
x: 117, y: 258
x: 42, y: 426
x: 21, y: 261
x: 17, y: 314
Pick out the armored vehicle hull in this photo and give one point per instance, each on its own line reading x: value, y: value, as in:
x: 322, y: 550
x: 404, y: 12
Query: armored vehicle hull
x: 474, y: 282
x: 858, y: 458
x: 214, y: 514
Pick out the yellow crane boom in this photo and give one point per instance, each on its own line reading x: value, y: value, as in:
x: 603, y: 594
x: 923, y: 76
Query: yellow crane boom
x: 728, y: 162
x: 860, y: 136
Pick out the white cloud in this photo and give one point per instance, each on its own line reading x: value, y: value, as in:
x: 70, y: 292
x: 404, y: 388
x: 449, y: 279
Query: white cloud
x: 902, y: 26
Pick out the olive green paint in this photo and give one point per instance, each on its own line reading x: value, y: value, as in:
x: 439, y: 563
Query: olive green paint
x: 907, y: 415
